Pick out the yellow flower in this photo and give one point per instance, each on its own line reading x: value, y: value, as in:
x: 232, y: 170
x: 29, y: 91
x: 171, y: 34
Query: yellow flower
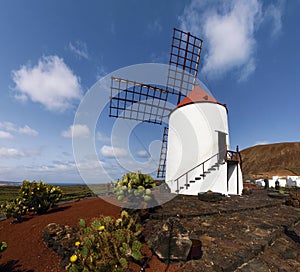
x: 77, y: 244
x: 73, y: 258
x: 118, y: 221
x: 124, y: 214
x: 101, y: 228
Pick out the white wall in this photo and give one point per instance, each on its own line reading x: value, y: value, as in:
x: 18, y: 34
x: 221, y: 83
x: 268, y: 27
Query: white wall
x: 193, y: 138
x: 213, y: 181
x: 293, y: 180
x: 282, y: 181
x: 289, y: 180
x: 235, y: 180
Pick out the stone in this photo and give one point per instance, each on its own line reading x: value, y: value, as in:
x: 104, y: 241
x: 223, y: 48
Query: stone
x: 61, y: 239
x: 206, y: 240
x: 289, y: 253
x: 172, y: 242
x: 239, y: 233
x: 255, y: 265
x: 205, y: 224
x: 210, y: 197
x: 247, y: 191
x: 296, y: 203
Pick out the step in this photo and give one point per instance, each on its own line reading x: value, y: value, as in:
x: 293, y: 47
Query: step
x: 187, y: 185
x: 181, y: 187
x: 202, y: 175
x: 177, y: 191
x: 192, y: 181
x: 197, y: 178
x: 211, y: 169
x: 206, y: 172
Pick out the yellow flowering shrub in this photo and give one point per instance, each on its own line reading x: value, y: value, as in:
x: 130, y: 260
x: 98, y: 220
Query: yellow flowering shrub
x: 106, y: 245
x: 33, y: 197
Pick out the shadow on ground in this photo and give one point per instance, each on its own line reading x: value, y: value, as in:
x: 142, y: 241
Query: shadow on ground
x: 13, y: 266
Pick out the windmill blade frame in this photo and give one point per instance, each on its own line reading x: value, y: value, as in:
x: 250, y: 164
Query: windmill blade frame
x: 138, y: 101
x: 184, y: 62
x: 148, y: 103
x: 161, y: 171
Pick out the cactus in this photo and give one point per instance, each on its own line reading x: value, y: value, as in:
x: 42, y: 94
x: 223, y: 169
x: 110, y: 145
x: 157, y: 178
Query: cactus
x: 3, y: 246
x: 134, y: 186
x: 107, y: 244
x: 36, y: 197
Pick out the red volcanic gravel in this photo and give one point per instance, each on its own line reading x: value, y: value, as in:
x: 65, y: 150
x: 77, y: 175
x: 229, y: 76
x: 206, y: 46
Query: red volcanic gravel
x: 27, y: 252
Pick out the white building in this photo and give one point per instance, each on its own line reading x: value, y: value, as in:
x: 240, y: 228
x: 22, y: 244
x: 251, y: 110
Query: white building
x: 197, y: 158
x: 283, y: 181
x: 293, y: 181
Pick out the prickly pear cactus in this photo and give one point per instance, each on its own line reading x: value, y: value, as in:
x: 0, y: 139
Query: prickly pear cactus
x: 3, y: 246
x: 33, y: 197
x: 135, y: 186
x: 107, y: 244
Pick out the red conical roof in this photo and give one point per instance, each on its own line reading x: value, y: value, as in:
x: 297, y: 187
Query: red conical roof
x: 197, y: 95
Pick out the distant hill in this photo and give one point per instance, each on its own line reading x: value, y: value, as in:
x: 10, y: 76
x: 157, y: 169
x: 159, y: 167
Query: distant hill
x: 281, y: 159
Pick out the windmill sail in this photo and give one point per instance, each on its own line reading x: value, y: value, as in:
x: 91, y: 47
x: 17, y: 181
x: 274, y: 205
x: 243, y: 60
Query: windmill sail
x: 148, y: 103
x: 137, y: 101
x: 182, y: 75
x: 184, y: 62
x: 161, y: 172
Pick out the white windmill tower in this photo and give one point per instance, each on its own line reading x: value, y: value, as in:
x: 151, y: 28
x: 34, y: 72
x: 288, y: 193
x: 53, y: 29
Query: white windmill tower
x: 195, y: 154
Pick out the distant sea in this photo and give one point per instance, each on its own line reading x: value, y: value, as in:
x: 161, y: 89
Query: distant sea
x: 13, y: 183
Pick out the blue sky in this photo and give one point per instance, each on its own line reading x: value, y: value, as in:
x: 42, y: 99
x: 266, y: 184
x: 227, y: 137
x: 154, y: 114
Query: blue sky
x: 53, y: 52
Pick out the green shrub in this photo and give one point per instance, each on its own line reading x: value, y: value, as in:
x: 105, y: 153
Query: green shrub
x: 135, y: 186
x: 14, y: 209
x: 3, y: 246
x: 281, y: 192
x: 106, y: 245
x: 34, y: 197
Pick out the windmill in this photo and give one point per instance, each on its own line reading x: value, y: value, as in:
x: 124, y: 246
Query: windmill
x: 195, y: 154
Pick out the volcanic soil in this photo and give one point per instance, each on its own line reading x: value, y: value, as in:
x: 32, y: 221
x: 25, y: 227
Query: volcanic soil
x: 246, y: 233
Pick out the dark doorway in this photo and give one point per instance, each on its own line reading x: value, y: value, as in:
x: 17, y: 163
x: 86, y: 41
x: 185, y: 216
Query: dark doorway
x: 222, y: 145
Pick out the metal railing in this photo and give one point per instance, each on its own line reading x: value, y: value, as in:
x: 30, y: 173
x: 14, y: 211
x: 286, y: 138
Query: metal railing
x: 203, y: 168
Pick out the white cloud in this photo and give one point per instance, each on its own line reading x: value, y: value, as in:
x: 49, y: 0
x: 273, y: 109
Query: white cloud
x: 143, y: 154
x: 230, y: 37
x: 51, y: 82
x: 102, y: 138
x: 5, y: 135
x: 21, y: 97
x: 261, y: 143
x: 274, y: 13
x: 66, y: 171
x: 10, y: 152
x: 80, y: 49
x: 101, y: 72
x: 228, y: 29
x: 27, y: 130
x: 113, y: 152
x: 247, y: 70
x: 76, y: 131
x: 8, y: 126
